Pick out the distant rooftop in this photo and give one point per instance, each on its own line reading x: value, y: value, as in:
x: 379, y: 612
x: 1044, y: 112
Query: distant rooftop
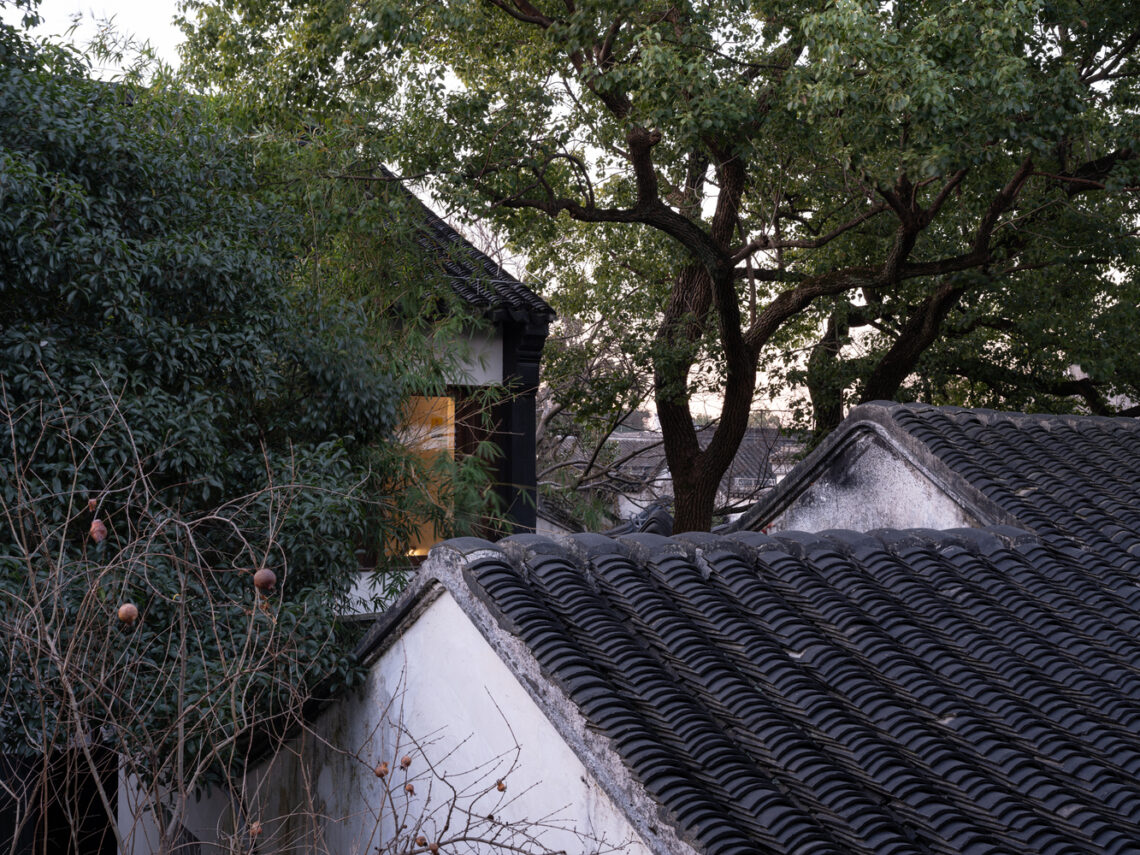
x: 1064, y: 477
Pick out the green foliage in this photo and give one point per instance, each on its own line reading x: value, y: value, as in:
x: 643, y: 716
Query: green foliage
x: 155, y: 362
x: 864, y: 199
x: 360, y: 242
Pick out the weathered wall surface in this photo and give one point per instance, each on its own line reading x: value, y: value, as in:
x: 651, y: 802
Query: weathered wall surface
x: 440, y: 696
x: 869, y: 486
x: 548, y: 527
x: 208, y: 818
x: 478, y: 357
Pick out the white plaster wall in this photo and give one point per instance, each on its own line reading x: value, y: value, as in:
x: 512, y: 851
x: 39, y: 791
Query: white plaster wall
x: 137, y: 825
x: 441, y: 696
x: 208, y: 817
x: 477, y: 357
x: 632, y: 504
x: 369, y: 595
x: 630, y: 507
x: 878, y: 489
x: 548, y: 527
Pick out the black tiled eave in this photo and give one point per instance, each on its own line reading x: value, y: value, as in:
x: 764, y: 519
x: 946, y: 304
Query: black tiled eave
x: 1077, y: 478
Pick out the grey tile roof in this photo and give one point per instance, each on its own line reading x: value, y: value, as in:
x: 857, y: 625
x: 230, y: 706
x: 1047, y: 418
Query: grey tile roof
x: 1071, y: 476
x: 972, y: 691
x: 762, y: 451
x: 969, y: 691
x: 477, y: 279
x: 1060, y: 476
x: 653, y: 520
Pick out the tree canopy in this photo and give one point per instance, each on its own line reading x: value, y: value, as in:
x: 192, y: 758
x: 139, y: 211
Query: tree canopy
x: 863, y: 199
x: 211, y: 319
x: 174, y: 416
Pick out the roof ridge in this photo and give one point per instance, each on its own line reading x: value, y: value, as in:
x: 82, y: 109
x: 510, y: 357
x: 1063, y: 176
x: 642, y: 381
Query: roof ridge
x: 839, y: 688
x: 987, y: 414
x: 582, y: 547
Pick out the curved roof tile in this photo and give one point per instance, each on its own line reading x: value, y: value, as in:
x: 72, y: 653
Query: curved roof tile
x: 910, y: 692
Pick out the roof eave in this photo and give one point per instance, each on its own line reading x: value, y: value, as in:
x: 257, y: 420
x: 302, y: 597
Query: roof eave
x: 445, y: 570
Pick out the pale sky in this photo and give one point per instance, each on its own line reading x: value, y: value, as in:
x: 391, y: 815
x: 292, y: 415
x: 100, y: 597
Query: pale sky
x: 144, y: 20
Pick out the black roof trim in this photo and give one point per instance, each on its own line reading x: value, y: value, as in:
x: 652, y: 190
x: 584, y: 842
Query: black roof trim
x: 476, y: 278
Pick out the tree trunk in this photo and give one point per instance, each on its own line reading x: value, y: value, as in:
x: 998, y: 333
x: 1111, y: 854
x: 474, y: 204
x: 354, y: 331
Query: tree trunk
x: 696, y: 474
x: 823, y: 365
x: 919, y: 332
x: 694, y: 500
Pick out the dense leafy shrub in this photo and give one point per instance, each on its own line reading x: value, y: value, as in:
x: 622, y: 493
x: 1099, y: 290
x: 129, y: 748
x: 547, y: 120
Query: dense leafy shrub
x: 159, y: 374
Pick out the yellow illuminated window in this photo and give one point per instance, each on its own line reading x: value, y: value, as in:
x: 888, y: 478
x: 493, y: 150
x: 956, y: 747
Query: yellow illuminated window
x: 429, y: 430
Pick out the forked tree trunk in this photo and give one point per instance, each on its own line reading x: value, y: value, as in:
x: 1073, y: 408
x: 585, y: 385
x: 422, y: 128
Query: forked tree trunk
x: 826, y: 393
x: 694, y: 500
